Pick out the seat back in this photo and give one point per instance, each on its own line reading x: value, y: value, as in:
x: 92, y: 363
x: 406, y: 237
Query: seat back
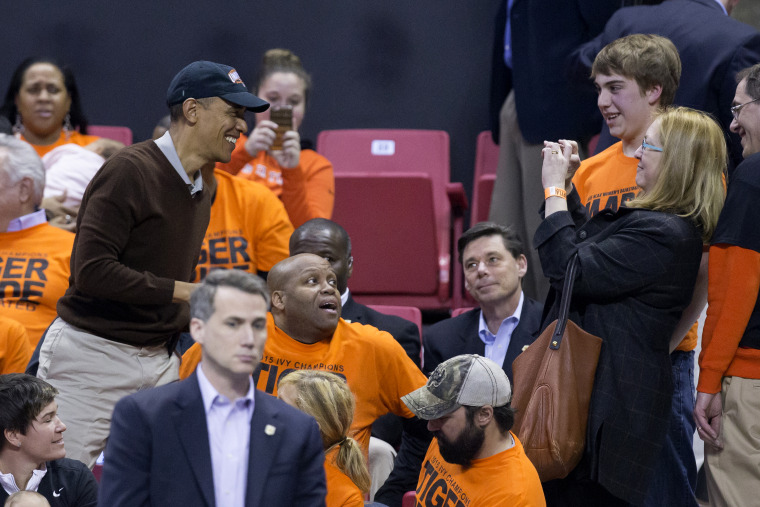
x: 391, y: 197
x: 121, y: 134
x: 392, y: 254
x: 409, y: 499
x: 486, y: 161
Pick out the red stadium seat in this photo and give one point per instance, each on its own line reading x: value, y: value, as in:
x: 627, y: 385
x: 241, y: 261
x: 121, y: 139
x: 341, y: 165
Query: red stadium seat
x: 409, y: 499
x: 121, y: 134
x: 486, y: 160
x: 394, y: 197
x: 410, y: 313
x: 459, y: 311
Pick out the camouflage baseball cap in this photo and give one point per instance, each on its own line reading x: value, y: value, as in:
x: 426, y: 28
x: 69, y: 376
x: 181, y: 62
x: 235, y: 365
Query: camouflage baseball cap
x: 469, y: 380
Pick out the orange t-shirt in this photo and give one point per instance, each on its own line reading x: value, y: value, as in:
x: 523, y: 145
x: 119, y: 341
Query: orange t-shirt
x: 307, y: 190
x: 341, y: 490
x: 70, y: 138
x: 376, y: 368
x: 249, y: 228
x: 34, y: 273
x: 15, y: 349
x: 506, y: 479
x: 607, y: 180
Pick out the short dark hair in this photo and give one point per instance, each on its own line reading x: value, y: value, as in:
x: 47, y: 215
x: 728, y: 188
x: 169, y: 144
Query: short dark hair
x: 319, y: 224
x: 752, y: 75
x: 176, y: 112
x: 511, y: 239
x: 8, y: 109
x: 22, y: 398
x: 503, y: 415
x: 202, y: 300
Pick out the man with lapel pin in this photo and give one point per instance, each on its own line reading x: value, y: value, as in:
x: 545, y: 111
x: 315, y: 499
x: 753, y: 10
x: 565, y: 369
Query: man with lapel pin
x: 507, y: 321
x: 214, y: 439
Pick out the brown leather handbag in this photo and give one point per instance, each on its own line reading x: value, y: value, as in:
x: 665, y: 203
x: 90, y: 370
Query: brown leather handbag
x: 553, y: 380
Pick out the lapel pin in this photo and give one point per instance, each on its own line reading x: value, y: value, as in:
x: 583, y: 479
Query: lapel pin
x: 269, y: 429
x: 525, y: 347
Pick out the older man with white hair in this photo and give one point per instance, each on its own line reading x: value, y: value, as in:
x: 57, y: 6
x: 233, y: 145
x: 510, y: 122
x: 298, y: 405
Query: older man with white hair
x: 34, y: 256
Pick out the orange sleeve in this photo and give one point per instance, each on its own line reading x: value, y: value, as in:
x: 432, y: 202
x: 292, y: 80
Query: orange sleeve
x: 308, y: 190
x: 734, y: 280
x: 273, y: 230
x: 240, y: 157
x: 190, y: 360
x: 15, y: 348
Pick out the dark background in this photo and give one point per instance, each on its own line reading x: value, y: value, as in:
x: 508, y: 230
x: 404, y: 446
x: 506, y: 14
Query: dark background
x: 393, y: 64
x: 421, y: 64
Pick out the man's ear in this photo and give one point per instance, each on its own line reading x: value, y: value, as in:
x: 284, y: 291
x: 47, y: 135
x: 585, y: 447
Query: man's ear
x: 522, y: 265
x: 196, y: 329
x: 190, y: 110
x: 26, y: 190
x: 278, y: 300
x: 484, y: 416
x: 653, y: 94
x: 350, y: 265
x: 12, y: 436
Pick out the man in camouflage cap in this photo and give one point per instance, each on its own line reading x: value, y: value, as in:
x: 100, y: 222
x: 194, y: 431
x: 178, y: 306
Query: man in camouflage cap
x: 474, y: 458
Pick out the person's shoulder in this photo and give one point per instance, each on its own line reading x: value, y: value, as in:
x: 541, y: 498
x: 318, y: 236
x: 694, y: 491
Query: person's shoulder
x: 367, y: 338
x: 272, y: 404
x: 58, y: 234
x: 156, y: 397
x: 67, y: 465
x: 384, y: 321
x: 466, y: 319
x: 747, y: 172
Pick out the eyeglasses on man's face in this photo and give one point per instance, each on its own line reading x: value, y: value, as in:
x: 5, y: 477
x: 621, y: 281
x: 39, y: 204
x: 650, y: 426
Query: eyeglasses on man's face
x: 735, y: 109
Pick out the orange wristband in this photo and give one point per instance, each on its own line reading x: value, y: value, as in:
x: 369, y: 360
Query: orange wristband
x: 555, y: 192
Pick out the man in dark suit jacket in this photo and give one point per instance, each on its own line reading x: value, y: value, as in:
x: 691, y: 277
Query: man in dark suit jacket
x: 532, y: 100
x: 330, y: 240
x: 213, y: 439
x: 713, y: 47
x: 494, y: 265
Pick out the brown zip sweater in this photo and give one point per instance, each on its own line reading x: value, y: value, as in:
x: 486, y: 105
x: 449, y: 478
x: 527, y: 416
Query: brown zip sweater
x: 139, y: 230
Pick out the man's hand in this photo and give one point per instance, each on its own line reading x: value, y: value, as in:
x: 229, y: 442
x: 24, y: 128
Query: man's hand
x: 707, y: 414
x: 59, y: 215
x: 183, y: 291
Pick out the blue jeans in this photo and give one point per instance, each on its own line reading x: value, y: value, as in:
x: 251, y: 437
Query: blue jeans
x: 675, y: 478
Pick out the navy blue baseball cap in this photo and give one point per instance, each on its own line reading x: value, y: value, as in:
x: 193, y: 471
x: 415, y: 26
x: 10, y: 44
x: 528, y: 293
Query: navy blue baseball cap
x: 208, y: 79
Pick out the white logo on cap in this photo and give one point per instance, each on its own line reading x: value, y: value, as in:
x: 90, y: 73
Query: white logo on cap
x: 235, y: 77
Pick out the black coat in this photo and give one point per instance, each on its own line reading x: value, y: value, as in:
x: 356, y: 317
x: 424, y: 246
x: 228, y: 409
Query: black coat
x: 713, y: 47
x: 636, y: 275
x: 452, y: 337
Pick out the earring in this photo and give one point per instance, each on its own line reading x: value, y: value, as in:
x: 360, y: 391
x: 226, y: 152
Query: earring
x: 18, y: 127
x: 67, y: 126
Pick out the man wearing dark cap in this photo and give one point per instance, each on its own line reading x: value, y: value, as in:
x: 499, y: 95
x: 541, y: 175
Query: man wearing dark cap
x: 474, y: 458
x: 140, y: 227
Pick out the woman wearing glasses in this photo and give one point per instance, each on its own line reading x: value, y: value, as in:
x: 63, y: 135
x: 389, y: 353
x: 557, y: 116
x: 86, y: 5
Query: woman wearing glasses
x: 636, y: 273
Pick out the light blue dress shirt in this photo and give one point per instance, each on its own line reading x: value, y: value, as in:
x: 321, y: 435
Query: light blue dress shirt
x: 229, y: 436
x: 497, y: 344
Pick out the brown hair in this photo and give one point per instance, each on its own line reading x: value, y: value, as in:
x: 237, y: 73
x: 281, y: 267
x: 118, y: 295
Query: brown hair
x: 648, y: 59
x: 283, y: 60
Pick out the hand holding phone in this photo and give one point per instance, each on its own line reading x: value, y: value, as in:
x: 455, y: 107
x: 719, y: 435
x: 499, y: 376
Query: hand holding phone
x: 283, y: 117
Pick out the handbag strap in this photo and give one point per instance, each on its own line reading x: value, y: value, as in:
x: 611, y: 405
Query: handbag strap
x: 564, y: 305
